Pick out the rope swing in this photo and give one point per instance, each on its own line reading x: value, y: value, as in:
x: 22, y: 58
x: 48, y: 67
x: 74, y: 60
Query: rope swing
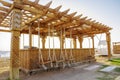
x: 54, y: 58
x: 71, y: 52
x: 49, y: 52
x: 41, y: 60
x: 62, y: 58
x: 90, y: 54
x: 66, y: 54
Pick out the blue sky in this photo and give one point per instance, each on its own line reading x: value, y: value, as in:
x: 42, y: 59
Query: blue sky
x: 104, y: 11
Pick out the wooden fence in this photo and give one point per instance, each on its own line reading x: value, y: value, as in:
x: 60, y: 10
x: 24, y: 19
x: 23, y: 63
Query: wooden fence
x: 29, y: 58
x: 4, y: 62
x: 116, y: 47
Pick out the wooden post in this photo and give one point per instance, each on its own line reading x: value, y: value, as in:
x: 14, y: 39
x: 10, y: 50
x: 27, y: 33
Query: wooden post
x: 80, y: 41
x: 15, y: 22
x: 108, y: 39
x: 23, y: 41
x: 43, y: 41
x: 30, y: 37
x: 93, y: 45
x: 74, y: 43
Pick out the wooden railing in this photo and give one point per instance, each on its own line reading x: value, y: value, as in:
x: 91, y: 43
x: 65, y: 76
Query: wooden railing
x: 29, y: 58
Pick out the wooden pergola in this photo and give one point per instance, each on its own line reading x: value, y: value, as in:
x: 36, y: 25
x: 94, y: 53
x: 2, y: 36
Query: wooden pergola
x: 27, y: 17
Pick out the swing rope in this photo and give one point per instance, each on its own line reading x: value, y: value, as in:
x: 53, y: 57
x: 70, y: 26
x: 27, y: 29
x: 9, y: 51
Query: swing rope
x: 40, y: 53
x: 65, y: 46
x: 54, y: 57
x: 71, y: 53
x: 90, y: 55
x: 62, y: 58
x: 49, y: 52
x: 66, y: 55
x: 89, y: 46
x: 99, y: 39
x: 54, y: 54
x: 39, y: 42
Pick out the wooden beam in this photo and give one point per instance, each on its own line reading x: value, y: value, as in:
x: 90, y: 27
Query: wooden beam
x: 72, y: 23
x: 9, y: 10
x: 58, y: 8
x: 65, y: 19
x: 2, y: 30
x: 6, y: 15
x: 3, y: 13
x: 72, y: 14
x: 4, y: 25
x: 27, y: 8
x: 56, y: 16
x: 30, y: 21
x: 4, y: 9
x: 36, y: 1
x: 5, y: 3
x: 68, y: 24
x: 37, y: 16
x: 48, y: 4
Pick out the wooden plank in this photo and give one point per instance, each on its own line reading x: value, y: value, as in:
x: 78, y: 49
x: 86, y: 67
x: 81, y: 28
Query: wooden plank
x: 80, y: 55
x: 2, y: 30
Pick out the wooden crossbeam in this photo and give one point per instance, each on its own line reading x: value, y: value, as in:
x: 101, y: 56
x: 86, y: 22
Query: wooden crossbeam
x: 30, y: 21
x: 56, y: 16
x: 36, y: 1
x: 53, y: 16
x: 2, y: 30
x: 4, y: 9
x: 65, y: 19
x: 72, y: 14
x: 95, y: 24
x: 2, y: 14
x: 38, y: 15
x: 8, y: 11
x: 70, y: 23
x: 5, y: 3
x: 28, y: 8
x: 58, y: 8
x: 78, y: 25
x: 3, y: 25
x: 77, y: 17
x: 48, y: 4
